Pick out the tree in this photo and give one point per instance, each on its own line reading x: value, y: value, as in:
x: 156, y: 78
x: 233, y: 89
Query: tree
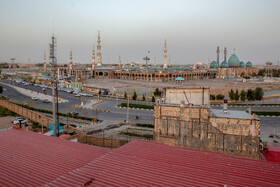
x: 99, y: 92
x: 1, y: 89
x: 231, y: 95
x: 134, y: 96
x: 250, y: 95
x: 125, y: 95
x: 254, y: 74
x: 236, y: 95
x: 242, y: 74
x: 212, y: 97
x: 258, y: 93
x: 157, y: 92
x: 0, y: 71
x: 261, y: 72
x: 220, y: 97
x: 243, y: 95
x: 153, y: 99
x: 143, y: 97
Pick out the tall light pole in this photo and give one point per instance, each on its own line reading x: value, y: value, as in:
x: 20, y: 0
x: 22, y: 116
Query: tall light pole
x: 54, y: 87
x: 13, y: 60
x: 146, y: 59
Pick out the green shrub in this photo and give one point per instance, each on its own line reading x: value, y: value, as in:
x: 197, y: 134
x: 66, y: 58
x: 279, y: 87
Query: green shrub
x: 6, y: 112
x: 220, y: 97
x: 212, y: 97
x: 132, y: 105
x: 148, y: 136
x: 145, y: 125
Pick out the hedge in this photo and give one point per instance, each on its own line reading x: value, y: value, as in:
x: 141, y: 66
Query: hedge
x: 145, y: 125
x: 148, y: 136
x: 266, y: 113
x: 132, y: 105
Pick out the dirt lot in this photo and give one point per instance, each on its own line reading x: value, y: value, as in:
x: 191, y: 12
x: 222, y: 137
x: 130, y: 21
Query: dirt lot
x: 217, y: 86
x: 5, y: 122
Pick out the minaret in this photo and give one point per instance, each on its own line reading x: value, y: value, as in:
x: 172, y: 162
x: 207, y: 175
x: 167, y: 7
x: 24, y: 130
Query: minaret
x: 165, y: 55
x: 71, y: 63
x: 218, y: 54
x: 120, y: 61
x: 155, y: 61
x: 45, y: 62
x: 225, y: 53
x: 93, y: 59
x: 99, y: 58
x: 209, y: 62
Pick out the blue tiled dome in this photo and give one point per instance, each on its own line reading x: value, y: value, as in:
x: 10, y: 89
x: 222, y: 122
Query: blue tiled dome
x: 248, y: 64
x: 233, y: 61
x: 241, y: 65
x: 224, y: 64
x: 214, y: 65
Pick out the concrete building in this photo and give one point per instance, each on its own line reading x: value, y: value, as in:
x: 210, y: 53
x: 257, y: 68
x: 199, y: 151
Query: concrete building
x: 191, y: 123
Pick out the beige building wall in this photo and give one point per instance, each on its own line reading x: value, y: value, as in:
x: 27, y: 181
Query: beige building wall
x: 195, y: 96
x: 194, y: 128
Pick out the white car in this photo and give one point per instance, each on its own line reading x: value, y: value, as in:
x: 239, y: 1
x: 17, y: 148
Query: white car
x: 78, y: 95
x: 18, y: 120
x: 34, y: 98
x: 46, y: 101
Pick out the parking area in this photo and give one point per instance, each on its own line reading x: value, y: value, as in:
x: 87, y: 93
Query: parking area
x: 5, y: 122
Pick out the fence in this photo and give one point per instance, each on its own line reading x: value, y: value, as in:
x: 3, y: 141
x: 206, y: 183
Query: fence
x: 31, y: 115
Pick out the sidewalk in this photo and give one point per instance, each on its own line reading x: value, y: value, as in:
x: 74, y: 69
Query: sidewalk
x: 31, y: 94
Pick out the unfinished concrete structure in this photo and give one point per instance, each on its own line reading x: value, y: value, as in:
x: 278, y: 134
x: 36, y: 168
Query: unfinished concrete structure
x: 197, y: 126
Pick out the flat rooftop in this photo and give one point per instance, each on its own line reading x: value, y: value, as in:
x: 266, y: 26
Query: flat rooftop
x: 230, y: 114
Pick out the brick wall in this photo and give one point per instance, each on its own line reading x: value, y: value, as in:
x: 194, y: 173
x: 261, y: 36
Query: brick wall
x: 29, y: 114
x: 193, y: 128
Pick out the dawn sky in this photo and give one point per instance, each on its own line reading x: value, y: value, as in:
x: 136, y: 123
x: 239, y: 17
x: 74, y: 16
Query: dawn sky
x: 131, y: 28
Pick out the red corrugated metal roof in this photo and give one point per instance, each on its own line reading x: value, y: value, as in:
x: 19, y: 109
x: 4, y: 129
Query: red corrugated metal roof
x: 142, y: 163
x: 31, y: 159
x: 273, y: 154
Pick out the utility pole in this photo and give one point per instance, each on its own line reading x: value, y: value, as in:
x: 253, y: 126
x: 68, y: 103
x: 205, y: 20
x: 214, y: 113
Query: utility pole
x: 127, y: 110
x: 54, y: 87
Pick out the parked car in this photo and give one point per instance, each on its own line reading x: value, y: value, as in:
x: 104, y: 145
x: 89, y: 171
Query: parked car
x: 18, y: 120
x: 34, y: 98
x: 46, y: 101
x: 78, y: 95
x: 73, y: 113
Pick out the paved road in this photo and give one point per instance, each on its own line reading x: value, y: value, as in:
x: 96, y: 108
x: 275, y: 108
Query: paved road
x: 254, y: 108
x: 117, y: 114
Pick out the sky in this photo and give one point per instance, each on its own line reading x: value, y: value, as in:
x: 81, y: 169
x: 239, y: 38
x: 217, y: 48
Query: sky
x: 134, y: 29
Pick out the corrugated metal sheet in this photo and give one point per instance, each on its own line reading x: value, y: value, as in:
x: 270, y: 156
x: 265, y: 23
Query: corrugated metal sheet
x: 31, y: 159
x: 272, y: 154
x: 142, y: 163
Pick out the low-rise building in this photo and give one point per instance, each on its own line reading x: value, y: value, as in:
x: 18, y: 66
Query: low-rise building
x: 195, y: 125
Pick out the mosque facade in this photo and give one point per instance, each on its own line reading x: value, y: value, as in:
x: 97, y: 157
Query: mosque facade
x: 232, y: 67
x: 135, y: 70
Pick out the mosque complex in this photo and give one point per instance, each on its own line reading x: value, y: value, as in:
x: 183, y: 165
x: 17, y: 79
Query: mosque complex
x: 232, y: 67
